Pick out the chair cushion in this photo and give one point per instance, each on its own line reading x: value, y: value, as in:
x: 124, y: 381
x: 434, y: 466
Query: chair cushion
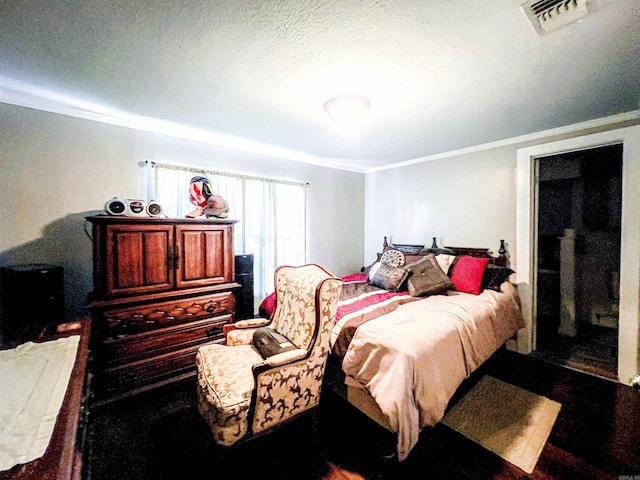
x: 225, y: 385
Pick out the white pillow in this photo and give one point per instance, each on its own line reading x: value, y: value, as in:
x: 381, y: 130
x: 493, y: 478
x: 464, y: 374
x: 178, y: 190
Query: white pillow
x: 445, y: 261
x: 372, y: 271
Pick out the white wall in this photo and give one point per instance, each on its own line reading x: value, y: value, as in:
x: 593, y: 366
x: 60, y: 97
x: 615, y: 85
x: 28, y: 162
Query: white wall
x: 462, y: 201
x: 55, y: 170
x: 465, y: 200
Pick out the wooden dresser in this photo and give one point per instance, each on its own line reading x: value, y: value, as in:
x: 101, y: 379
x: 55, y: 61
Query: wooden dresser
x: 162, y: 288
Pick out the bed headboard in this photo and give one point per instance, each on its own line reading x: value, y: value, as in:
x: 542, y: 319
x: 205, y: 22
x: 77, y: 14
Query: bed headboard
x: 415, y: 249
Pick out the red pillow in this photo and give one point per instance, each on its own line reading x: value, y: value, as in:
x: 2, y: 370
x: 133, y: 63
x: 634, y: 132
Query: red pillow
x: 467, y: 274
x: 267, y: 306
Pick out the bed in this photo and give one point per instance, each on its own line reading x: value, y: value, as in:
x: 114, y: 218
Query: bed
x: 399, y: 354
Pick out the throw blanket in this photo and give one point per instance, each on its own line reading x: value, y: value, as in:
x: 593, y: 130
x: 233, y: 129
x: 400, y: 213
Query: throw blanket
x: 413, y: 359
x: 33, y: 383
x: 361, y: 302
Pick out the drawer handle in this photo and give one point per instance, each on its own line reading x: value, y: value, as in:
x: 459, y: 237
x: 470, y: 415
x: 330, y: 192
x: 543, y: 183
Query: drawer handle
x: 211, y: 307
x: 212, y: 332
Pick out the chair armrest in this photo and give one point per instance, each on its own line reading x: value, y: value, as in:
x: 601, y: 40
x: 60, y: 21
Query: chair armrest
x: 244, y: 330
x: 252, y: 323
x: 285, y: 357
x: 285, y: 390
x: 227, y: 328
x: 240, y: 336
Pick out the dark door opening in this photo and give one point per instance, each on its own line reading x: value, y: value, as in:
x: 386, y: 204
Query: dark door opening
x: 579, y: 203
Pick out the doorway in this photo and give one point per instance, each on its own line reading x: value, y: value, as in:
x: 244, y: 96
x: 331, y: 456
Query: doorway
x: 579, y: 212
x: 526, y: 231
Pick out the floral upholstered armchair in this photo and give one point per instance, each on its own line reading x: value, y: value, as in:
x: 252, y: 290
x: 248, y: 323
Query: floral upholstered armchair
x: 252, y: 385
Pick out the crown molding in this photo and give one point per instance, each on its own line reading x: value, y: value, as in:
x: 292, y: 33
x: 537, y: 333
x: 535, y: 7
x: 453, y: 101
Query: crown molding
x: 633, y: 115
x: 15, y: 93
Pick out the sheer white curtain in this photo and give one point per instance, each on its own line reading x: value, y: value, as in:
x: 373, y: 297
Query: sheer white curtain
x: 275, y: 226
x: 271, y: 216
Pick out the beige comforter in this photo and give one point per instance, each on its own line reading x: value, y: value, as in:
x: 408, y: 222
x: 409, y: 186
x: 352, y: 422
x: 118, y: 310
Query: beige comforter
x: 413, y: 359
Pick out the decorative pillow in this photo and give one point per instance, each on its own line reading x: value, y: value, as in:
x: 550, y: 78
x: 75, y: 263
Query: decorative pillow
x: 267, y: 306
x: 366, y: 269
x: 466, y: 274
x: 412, y: 259
x: 269, y: 342
x: 386, y: 277
x: 427, y: 278
x: 445, y: 261
x: 393, y: 258
x: 494, y: 276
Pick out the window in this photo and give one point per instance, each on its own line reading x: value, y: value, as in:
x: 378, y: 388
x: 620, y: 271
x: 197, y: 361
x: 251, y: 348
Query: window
x: 271, y: 216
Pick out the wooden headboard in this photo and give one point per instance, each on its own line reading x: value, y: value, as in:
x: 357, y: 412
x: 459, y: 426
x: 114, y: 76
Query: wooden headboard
x: 415, y: 249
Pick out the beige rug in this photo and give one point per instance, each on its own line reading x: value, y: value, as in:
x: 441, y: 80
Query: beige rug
x: 507, y: 420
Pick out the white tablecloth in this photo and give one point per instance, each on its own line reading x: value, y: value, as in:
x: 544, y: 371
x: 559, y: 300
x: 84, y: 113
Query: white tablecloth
x: 33, y: 383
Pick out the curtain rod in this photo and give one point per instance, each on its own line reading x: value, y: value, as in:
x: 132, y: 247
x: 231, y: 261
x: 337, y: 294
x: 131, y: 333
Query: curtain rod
x: 203, y: 171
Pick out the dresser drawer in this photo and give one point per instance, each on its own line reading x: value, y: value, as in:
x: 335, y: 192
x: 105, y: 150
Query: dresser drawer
x: 150, y: 372
x: 142, y: 318
x: 133, y: 347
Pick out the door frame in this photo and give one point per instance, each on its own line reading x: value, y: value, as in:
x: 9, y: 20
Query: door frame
x: 526, y: 247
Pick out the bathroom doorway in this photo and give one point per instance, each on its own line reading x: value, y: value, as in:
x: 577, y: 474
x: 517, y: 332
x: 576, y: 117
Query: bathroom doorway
x: 579, y: 212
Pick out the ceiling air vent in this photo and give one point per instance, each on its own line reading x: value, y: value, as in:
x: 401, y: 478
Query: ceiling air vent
x: 549, y: 15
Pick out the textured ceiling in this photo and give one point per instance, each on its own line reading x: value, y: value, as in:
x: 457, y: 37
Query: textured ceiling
x: 440, y: 75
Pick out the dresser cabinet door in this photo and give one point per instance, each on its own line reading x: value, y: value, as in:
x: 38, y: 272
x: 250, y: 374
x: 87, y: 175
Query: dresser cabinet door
x: 204, y: 255
x: 139, y: 259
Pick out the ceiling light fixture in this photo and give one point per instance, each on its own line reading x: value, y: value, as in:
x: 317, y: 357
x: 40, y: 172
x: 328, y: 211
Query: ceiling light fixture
x: 347, y: 109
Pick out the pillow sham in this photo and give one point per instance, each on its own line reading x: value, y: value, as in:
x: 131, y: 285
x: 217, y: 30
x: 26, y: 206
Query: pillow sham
x: 427, y: 278
x: 494, y: 276
x: 386, y: 277
x: 445, y: 261
x: 467, y: 272
x: 367, y: 268
x: 412, y: 259
x: 407, y: 260
x: 269, y: 342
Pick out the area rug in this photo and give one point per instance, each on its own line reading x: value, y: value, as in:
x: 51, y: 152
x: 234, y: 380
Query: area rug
x: 507, y: 420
